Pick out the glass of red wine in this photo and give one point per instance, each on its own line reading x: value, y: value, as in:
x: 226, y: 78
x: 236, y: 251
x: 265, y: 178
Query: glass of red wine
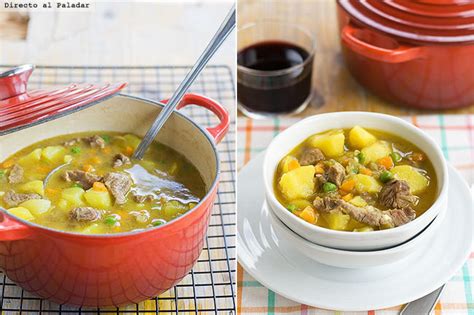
x: 274, y: 69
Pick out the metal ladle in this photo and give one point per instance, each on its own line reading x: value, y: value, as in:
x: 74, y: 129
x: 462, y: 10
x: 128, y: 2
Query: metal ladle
x: 224, y: 30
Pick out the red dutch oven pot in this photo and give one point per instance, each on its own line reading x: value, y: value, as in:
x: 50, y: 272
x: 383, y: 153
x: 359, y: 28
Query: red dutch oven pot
x: 116, y: 269
x: 415, y: 53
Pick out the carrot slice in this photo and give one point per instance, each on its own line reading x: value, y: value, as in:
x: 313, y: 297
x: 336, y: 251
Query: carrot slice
x: 8, y: 164
x: 386, y: 162
x: 348, y: 185
x: 88, y: 168
x: 96, y: 160
x: 308, y: 215
x: 128, y: 150
x: 319, y: 168
x: 365, y: 171
x: 98, y: 186
x: 293, y: 164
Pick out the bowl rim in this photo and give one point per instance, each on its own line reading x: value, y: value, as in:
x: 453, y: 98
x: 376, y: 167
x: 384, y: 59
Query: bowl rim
x: 208, y: 195
x: 438, y: 220
x: 441, y: 173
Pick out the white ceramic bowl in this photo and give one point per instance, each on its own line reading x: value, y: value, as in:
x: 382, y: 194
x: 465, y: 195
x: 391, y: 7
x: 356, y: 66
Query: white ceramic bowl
x: 291, y: 137
x: 356, y: 259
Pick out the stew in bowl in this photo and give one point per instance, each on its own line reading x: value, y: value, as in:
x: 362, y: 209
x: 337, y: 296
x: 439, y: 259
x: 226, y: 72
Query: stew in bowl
x: 356, y: 179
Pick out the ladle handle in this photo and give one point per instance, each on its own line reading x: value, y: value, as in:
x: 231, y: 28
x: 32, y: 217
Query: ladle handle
x: 224, y: 30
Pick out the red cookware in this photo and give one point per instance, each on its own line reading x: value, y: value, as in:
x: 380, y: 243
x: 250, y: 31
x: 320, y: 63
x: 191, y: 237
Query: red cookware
x: 116, y: 269
x: 414, y: 53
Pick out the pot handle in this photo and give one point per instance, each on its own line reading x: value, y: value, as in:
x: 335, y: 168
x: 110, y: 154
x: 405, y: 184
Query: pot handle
x: 218, y: 132
x: 14, y: 82
x: 401, y: 54
x: 11, y: 230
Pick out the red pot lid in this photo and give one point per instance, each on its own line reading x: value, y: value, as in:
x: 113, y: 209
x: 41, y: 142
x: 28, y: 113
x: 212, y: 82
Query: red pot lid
x: 20, y: 108
x: 435, y: 21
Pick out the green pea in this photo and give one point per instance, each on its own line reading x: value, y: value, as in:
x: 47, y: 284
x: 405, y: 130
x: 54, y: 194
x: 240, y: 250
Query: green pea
x: 110, y: 220
x: 361, y: 158
x: 77, y: 185
x: 157, y: 223
x: 329, y: 187
x: 291, y: 207
x: 106, y: 138
x: 2, y: 173
x: 386, y: 176
x: 396, y: 157
x: 75, y: 150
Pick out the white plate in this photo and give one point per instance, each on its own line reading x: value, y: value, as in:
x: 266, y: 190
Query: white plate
x: 287, y: 272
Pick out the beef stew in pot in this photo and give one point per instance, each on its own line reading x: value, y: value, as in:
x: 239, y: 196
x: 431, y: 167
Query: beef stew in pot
x: 94, y: 187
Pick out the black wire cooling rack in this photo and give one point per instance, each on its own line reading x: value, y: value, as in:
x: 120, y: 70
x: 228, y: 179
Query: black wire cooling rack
x: 210, y: 287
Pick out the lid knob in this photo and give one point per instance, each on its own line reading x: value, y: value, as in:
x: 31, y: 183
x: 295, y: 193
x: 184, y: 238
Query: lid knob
x: 14, y: 82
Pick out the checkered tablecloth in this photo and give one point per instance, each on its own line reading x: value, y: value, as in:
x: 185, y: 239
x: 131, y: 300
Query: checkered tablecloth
x: 454, y: 134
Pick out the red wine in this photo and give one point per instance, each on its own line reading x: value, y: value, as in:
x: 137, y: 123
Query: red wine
x: 278, y: 86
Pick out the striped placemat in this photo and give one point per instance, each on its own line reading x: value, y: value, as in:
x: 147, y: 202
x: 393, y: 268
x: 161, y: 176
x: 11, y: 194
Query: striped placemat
x: 454, y: 134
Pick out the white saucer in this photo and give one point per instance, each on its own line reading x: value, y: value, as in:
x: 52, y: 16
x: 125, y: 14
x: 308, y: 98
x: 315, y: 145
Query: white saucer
x: 283, y: 269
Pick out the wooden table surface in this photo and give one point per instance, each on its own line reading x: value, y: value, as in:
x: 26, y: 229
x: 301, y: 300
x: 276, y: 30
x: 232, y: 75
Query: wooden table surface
x: 116, y: 33
x: 335, y: 88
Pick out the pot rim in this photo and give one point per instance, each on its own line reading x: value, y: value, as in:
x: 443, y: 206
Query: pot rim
x: 401, y: 35
x: 208, y: 195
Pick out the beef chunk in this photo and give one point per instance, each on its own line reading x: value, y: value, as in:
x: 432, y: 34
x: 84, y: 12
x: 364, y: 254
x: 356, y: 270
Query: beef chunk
x: 368, y: 215
x: 16, y: 174
x: 120, y: 160
x: 325, y: 204
x: 335, y: 173
x: 71, y: 142
x: 320, y: 179
x: 13, y: 199
x: 95, y: 141
x: 141, y: 198
x: 119, y: 185
x: 396, y: 194
x: 85, y: 214
x: 311, y: 156
x: 85, y: 179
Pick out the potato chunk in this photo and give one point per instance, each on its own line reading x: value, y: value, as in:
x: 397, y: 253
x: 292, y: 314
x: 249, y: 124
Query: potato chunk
x: 298, y: 183
x: 21, y: 213
x: 174, y: 207
x: 35, y: 186
x: 132, y: 141
x: 364, y: 229
x: 366, y: 183
x: 360, y: 138
x: 31, y: 158
x: 73, y: 196
x: 37, y: 206
x: 98, y: 199
x: 417, y: 181
x: 331, y: 143
x: 358, y: 201
x: 53, y: 154
x: 93, y: 228
x: 376, y: 151
x: 337, y: 220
